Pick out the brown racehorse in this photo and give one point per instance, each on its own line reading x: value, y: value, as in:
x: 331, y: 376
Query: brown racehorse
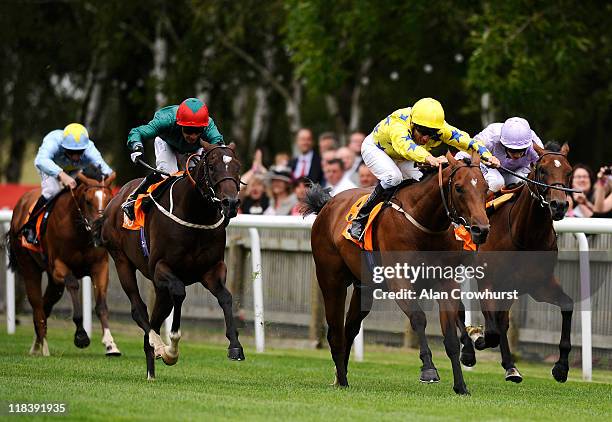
x: 70, y: 255
x: 526, y: 224
x: 338, y: 261
x: 185, y: 245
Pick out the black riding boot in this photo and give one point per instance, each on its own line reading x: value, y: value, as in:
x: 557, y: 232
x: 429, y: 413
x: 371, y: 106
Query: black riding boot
x: 357, y: 227
x: 128, y: 205
x: 29, y: 229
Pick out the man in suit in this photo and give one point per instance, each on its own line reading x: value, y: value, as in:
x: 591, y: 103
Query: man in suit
x: 308, y: 162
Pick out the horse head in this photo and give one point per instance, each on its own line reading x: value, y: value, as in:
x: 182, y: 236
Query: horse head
x: 217, y: 177
x: 552, y: 168
x: 92, y: 195
x: 465, y: 190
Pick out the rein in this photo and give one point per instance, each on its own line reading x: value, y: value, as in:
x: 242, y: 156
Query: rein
x: 78, y: 207
x: 212, y: 195
x: 557, y: 186
x: 180, y: 221
x: 451, y: 211
x: 538, y: 196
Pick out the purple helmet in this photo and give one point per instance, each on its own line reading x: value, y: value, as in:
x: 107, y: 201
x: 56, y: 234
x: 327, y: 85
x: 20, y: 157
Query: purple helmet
x: 516, y: 133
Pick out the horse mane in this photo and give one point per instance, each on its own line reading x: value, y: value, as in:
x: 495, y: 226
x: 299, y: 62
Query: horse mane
x: 93, y: 172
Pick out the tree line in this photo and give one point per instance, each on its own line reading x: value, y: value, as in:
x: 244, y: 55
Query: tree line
x: 268, y: 68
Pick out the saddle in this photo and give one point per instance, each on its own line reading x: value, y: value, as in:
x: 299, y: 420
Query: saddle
x: 505, y: 195
x: 41, y: 225
x: 143, y: 202
x: 366, y: 244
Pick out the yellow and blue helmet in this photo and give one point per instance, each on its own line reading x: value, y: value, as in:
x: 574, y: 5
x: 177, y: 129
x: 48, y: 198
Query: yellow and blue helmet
x: 75, y: 137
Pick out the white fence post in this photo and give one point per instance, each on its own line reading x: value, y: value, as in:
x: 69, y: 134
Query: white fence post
x: 258, y: 302
x: 585, y: 306
x: 86, y: 287
x: 10, y: 291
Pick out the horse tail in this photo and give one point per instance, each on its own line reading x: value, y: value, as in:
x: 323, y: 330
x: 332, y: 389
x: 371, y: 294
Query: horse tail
x: 96, y: 231
x: 316, y: 198
x: 9, y: 245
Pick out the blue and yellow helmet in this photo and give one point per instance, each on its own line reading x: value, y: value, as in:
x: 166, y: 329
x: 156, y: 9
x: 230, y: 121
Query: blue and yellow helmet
x: 75, y: 137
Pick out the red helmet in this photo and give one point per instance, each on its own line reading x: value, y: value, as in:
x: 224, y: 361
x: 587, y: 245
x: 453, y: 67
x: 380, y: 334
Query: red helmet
x: 192, y: 112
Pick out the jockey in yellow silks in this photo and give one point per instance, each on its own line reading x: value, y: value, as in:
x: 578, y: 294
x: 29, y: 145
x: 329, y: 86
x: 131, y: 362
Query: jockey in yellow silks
x: 402, y: 139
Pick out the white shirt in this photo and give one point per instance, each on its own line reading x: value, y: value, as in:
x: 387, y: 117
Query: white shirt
x: 303, y: 164
x: 344, y: 184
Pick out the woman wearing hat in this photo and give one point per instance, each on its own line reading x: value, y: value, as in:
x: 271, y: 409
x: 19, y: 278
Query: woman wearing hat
x: 282, y: 199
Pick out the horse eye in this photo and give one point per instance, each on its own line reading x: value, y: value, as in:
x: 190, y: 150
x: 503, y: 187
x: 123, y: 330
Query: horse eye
x: 459, y: 189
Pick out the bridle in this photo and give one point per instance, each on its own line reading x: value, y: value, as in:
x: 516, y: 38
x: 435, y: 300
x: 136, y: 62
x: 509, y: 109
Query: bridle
x: 537, y: 181
x: 537, y: 194
x: 84, y: 219
x: 208, y: 193
x: 449, y: 207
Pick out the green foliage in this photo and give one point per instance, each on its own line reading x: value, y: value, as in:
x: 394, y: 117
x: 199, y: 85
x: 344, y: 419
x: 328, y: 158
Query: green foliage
x: 548, y: 61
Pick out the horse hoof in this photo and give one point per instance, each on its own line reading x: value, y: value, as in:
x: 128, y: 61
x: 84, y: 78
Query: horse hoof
x: 112, y: 350
x: 461, y: 390
x: 514, y: 375
x: 81, y: 339
x: 235, y: 353
x: 429, y: 375
x: 559, y: 372
x: 468, y: 359
x: 169, y: 360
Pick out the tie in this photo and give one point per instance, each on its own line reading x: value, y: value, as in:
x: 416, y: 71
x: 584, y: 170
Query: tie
x: 303, y: 168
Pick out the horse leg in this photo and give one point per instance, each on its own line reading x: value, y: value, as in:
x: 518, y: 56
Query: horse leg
x: 418, y: 322
x: 490, y: 338
x: 127, y: 276
x: 166, y: 280
x: 512, y: 373
x: 449, y: 312
x: 214, y: 280
x: 81, y: 339
x: 99, y: 276
x: 333, y: 288
x: 32, y: 278
x: 468, y: 354
x: 360, y: 307
x: 553, y: 293
x: 53, y: 293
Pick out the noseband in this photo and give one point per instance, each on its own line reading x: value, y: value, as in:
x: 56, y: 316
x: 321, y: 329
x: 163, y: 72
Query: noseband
x: 451, y: 211
x: 86, y: 222
x: 208, y: 193
x: 539, y: 194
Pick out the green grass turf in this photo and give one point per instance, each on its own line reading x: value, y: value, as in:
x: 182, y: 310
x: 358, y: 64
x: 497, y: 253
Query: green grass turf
x: 281, y: 384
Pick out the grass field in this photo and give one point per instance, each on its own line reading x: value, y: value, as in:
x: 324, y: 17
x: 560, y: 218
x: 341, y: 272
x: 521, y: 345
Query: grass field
x: 282, y: 384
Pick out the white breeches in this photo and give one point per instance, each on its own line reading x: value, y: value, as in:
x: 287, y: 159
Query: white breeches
x: 166, y: 159
x: 390, y: 172
x: 497, y: 179
x: 49, y: 186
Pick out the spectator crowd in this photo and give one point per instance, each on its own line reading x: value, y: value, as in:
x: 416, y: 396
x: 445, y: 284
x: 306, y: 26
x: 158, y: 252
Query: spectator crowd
x: 279, y: 189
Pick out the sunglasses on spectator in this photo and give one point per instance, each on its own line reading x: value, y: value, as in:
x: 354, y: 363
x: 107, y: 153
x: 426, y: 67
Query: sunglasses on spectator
x: 189, y: 130
x: 426, y: 131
